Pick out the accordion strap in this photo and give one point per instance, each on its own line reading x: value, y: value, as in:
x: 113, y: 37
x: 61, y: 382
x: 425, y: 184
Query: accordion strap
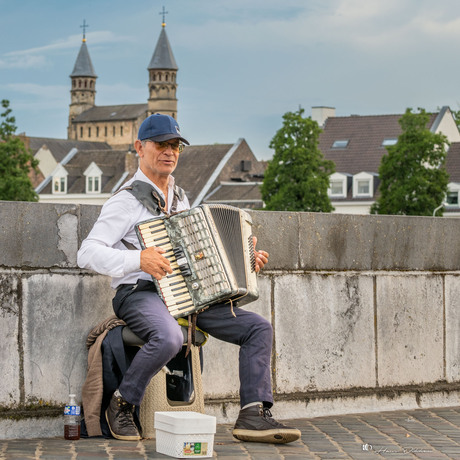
x: 150, y: 198
x: 191, y: 332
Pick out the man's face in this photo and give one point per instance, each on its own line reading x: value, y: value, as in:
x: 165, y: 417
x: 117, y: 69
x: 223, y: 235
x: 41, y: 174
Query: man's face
x: 158, y: 158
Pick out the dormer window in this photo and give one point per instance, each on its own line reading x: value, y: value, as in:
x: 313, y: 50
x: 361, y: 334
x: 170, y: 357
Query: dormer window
x: 93, y: 176
x: 453, y: 192
x: 59, y: 182
x: 338, y: 185
x: 363, y: 185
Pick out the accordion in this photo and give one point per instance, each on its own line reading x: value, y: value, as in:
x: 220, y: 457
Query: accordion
x: 211, y: 252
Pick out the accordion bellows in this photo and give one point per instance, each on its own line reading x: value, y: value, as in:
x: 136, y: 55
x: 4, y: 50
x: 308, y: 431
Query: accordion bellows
x: 211, y: 252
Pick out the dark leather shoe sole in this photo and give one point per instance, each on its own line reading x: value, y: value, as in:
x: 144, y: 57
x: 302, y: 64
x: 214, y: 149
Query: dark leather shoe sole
x: 120, y: 436
x: 275, y: 436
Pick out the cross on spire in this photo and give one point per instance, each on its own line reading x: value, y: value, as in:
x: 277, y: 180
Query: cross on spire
x: 84, y: 26
x: 163, y: 12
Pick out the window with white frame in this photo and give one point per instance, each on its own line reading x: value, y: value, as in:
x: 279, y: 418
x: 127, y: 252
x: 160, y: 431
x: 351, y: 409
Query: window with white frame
x: 59, y: 180
x: 93, y: 184
x: 336, y: 188
x: 363, y: 185
x: 93, y: 175
x: 452, y: 198
x: 337, y: 185
x: 453, y: 192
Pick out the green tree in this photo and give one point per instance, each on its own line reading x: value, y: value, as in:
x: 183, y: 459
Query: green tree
x: 456, y: 115
x: 413, y: 175
x: 15, y: 161
x: 297, y: 178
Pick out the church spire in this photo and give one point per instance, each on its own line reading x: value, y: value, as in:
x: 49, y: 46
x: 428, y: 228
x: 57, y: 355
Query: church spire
x: 163, y: 57
x: 83, y: 90
x: 83, y: 65
x: 162, y: 76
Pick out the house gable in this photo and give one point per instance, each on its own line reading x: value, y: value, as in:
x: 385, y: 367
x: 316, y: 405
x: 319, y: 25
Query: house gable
x: 46, y: 161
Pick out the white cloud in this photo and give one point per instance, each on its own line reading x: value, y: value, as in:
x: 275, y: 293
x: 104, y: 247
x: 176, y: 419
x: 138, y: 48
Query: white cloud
x: 100, y: 37
x: 438, y: 29
x: 393, y: 25
x: 371, y: 25
x: 38, y: 57
x: 22, y: 62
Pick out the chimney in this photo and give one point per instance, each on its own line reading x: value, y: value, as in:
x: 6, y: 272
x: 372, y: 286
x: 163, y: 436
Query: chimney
x: 131, y: 162
x: 321, y: 114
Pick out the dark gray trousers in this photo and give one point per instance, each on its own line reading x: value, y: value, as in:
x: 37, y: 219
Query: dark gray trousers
x: 147, y: 316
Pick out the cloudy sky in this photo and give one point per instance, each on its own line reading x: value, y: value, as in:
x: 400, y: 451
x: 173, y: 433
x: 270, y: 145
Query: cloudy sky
x: 242, y: 63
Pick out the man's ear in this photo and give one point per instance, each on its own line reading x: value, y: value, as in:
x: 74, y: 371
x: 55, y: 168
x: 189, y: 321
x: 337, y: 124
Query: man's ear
x: 139, y: 148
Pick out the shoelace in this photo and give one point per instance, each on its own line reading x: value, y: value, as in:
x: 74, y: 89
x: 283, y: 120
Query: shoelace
x: 267, y: 413
x: 125, y: 415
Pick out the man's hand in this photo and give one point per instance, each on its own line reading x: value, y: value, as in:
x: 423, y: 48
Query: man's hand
x: 154, y: 263
x: 261, y: 256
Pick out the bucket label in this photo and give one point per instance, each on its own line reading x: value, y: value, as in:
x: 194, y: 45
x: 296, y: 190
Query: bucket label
x: 195, y: 448
x: 72, y: 410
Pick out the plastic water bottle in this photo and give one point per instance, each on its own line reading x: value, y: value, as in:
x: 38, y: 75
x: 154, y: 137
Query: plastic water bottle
x: 72, y: 419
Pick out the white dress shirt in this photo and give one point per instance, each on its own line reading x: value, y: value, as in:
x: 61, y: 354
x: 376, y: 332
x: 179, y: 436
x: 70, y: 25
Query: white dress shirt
x: 103, y: 251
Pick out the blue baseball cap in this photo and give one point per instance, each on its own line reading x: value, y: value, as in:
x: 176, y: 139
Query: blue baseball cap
x: 159, y: 127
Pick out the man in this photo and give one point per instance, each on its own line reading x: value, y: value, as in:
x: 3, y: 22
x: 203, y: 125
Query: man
x: 105, y: 250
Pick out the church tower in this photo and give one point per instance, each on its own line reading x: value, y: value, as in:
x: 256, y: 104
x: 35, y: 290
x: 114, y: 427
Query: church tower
x: 117, y: 125
x: 162, y: 77
x: 83, y: 91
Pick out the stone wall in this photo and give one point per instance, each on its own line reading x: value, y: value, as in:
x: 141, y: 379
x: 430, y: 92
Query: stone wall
x: 364, y: 308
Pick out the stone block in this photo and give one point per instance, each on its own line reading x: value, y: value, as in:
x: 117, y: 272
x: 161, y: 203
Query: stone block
x: 59, y: 312
x: 324, y: 332
x: 9, y: 332
x: 409, y: 329
x: 278, y: 234
x: 221, y: 371
x: 452, y: 287
x: 39, y: 235
x: 413, y: 243
x: 88, y: 216
x: 362, y: 242
x: 333, y: 242
x: 44, y: 427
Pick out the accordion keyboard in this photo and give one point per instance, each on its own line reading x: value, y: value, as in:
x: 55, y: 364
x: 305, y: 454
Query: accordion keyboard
x: 173, y: 287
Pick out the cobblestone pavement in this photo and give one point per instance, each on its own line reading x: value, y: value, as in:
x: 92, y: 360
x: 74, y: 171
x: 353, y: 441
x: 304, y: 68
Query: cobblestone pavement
x: 428, y: 434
